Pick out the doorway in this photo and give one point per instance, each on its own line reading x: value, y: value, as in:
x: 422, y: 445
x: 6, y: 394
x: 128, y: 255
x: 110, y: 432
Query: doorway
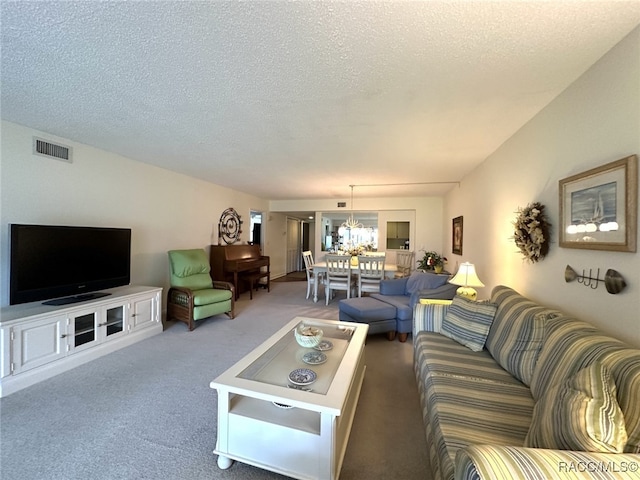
x: 294, y: 253
x: 256, y: 234
x: 306, y: 243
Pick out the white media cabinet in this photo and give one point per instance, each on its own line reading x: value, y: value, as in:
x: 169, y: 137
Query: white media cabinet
x: 39, y: 341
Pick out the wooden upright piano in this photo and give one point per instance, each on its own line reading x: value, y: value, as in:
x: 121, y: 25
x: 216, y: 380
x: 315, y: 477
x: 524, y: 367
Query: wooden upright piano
x: 237, y: 263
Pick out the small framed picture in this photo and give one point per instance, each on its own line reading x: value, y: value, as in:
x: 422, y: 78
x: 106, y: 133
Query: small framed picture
x: 456, y: 236
x: 598, y: 208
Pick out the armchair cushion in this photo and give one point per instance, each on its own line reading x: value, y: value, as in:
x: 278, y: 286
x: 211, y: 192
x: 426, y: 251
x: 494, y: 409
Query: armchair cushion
x: 185, y: 263
x: 194, y: 282
x: 208, y: 296
x: 190, y: 269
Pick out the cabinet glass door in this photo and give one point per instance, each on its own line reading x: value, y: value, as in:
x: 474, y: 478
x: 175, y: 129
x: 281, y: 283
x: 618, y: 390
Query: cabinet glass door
x: 84, y: 329
x: 114, y: 322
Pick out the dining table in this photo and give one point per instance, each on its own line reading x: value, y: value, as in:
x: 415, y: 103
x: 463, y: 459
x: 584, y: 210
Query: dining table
x: 320, y: 268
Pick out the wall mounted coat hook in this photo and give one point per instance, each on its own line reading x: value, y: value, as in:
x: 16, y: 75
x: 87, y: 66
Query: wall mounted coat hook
x: 613, y: 281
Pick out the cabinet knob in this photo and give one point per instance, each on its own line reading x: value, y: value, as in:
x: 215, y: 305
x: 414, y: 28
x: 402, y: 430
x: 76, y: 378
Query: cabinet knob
x: 102, y: 324
x: 64, y: 335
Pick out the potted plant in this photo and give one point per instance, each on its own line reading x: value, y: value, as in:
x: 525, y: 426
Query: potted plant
x: 432, y: 261
x: 354, y: 251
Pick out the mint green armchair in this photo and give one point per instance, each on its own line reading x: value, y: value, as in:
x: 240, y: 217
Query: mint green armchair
x: 193, y: 295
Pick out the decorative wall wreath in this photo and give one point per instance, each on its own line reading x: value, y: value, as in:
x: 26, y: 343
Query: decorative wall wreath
x: 229, y: 227
x: 532, y: 232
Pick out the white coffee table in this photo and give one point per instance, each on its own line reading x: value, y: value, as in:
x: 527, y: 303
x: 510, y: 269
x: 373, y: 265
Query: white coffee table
x: 304, y: 436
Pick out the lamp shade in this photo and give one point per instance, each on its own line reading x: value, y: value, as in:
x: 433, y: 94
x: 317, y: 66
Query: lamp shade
x: 466, y: 276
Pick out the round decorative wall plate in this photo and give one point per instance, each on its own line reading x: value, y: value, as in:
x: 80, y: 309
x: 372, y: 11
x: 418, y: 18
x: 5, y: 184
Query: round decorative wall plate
x: 229, y: 227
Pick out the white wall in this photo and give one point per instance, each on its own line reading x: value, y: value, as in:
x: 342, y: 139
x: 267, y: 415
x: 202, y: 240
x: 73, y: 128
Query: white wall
x: 276, y: 226
x: 593, y: 122
x: 165, y: 210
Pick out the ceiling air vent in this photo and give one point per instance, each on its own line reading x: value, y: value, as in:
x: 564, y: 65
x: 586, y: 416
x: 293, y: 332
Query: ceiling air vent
x: 51, y: 150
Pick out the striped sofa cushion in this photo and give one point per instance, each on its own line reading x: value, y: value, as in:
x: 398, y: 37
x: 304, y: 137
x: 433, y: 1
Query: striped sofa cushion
x: 581, y: 414
x: 466, y: 411
x: 486, y: 462
x: 437, y: 354
x: 517, y: 332
x: 571, y: 345
x: 466, y: 398
x: 468, y: 322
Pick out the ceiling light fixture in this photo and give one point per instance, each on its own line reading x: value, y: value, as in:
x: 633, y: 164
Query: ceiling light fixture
x: 351, y: 222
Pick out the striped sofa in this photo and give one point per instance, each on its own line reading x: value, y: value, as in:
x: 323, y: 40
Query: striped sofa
x: 479, y: 407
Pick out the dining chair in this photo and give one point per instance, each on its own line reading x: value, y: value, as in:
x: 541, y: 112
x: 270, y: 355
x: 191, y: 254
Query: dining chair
x: 370, y: 273
x: 312, y: 277
x: 338, y: 275
x: 404, y: 262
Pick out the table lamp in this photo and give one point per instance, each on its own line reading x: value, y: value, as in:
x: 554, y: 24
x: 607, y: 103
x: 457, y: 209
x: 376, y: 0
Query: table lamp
x: 467, y: 279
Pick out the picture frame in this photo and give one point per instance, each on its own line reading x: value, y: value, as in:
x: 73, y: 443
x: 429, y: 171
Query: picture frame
x: 598, y: 207
x: 456, y: 236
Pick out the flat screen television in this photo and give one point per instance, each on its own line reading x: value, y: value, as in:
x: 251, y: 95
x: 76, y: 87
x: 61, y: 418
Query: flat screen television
x: 51, y: 261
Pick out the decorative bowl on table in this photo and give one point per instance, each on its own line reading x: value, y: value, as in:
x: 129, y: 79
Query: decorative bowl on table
x: 307, y: 336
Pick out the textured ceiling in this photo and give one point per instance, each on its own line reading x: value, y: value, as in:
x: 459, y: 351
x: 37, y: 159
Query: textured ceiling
x: 297, y: 100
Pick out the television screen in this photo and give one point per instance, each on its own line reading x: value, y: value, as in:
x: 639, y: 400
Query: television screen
x: 49, y: 261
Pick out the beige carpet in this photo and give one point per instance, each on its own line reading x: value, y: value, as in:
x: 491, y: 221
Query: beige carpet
x: 147, y: 412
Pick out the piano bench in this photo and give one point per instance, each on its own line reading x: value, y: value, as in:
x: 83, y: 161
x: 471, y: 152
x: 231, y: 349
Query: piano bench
x: 253, y: 279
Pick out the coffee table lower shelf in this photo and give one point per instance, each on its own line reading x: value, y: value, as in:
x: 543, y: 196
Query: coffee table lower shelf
x: 304, y: 443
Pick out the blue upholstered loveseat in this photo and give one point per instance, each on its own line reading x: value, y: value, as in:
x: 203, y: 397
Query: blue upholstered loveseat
x: 405, y: 293
x: 512, y: 389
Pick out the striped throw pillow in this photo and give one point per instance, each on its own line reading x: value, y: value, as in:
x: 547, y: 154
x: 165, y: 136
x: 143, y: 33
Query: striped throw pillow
x: 468, y: 322
x: 517, y: 333
x: 580, y: 414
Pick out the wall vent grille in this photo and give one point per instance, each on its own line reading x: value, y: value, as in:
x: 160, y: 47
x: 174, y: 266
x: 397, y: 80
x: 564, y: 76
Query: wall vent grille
x: 51, y: 150
x: 342, y: 204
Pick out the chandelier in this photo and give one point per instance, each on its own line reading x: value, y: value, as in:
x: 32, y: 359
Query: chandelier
x: 351, y: 222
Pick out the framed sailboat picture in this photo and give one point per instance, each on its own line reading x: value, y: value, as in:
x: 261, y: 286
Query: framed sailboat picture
x: 598, y: 208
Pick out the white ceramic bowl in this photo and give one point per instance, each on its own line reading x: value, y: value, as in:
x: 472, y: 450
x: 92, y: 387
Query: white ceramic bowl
x: 307, y: 336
